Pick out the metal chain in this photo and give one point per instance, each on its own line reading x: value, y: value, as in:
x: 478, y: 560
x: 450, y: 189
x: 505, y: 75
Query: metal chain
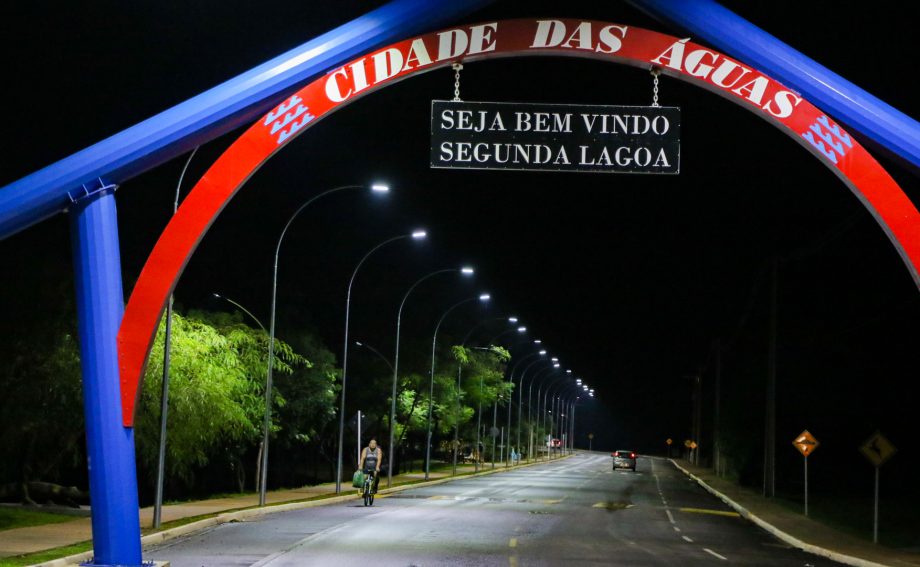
x: 457, y: 67
x: 655, y: 72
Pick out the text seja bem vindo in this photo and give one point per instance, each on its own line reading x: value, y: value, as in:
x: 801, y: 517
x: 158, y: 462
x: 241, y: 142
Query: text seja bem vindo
x: 555, y: 137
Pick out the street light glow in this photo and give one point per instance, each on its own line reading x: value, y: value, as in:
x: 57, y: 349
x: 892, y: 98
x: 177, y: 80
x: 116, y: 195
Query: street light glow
x: 419, y: 234
x: 522, y: 329
x: 512, y: 319
x: 578, y: 381
x: 555, y: 365
x: 542, y: 353
x: 537, y: 342
x: 568, y: 371
x: 485, y: 297
x: 380, y: 188
x: 466, y: 271
x: 554, y: 359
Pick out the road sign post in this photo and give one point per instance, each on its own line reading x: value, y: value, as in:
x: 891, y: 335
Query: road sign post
x: 590, y: 440
x: 359, y: 438
x: 669, y: 442
x: 806, y: 444
x: 877, y: 449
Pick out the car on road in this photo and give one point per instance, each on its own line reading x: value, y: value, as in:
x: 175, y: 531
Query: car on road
x: 624, y: 460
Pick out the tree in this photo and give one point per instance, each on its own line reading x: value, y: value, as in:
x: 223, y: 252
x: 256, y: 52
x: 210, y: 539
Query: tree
x: 216, y: 394
x: 42, y: 406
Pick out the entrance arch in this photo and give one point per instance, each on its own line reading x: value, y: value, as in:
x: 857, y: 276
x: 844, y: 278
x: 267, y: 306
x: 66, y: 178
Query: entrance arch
x: 605, y: 41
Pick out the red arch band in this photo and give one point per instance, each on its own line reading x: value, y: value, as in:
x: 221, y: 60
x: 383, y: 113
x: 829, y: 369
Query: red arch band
x: 678, y: 58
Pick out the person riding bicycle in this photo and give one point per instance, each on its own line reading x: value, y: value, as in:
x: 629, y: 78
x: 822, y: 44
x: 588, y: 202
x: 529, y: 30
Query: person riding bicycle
x: 371, y: 459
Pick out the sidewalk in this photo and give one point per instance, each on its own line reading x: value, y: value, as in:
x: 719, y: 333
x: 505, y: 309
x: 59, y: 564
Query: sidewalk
x: 33, y: 539
x: 800, y: 527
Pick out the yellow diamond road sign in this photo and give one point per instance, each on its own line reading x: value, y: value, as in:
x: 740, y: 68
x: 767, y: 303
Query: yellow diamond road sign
x: 805, y: 443
x: 878, y: 449
x: 669, y: 441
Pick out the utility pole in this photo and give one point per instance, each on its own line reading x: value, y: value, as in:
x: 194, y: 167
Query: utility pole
x: 769, y: 453
x: 716, y: 417
x: 698, y: 417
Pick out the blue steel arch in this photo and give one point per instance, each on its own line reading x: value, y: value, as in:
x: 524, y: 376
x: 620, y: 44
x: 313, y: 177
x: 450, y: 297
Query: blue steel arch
x: 96, y: 169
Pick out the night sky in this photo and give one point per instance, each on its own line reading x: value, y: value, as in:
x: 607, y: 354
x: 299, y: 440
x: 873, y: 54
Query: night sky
x: 628, y: 279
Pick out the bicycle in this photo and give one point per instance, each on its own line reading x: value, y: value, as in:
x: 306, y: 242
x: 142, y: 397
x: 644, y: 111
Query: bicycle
x: 368, y: 491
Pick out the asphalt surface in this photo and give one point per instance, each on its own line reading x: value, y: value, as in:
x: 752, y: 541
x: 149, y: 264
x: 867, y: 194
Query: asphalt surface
x: 574, y: 511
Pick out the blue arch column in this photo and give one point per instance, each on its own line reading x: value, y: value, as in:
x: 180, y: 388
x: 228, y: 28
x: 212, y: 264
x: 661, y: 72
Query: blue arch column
x: 109, y: 445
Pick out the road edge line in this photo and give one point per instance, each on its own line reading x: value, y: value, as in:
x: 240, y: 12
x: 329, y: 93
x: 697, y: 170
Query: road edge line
x: 240, y: 515
x: 778, y: 533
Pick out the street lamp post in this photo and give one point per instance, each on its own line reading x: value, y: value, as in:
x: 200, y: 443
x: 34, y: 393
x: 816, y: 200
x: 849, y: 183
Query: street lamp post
x: 261, y: 326
x: 520, y: 392
x: 241, y: 308
x: 530, y: 405
x: 545, y: 402
x: 415, y: 235
x: 507, y: 452
x: 481, y: 297
x: 376, y: 352
x: 266, y: 426
x: 568, y: 404
x: 467, y: 271
x: 511, y: 319
x: 164, y: 391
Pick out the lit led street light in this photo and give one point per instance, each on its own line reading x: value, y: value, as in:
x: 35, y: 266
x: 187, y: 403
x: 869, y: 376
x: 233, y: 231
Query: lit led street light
x: 511, y: 319
x: 554, y: 359
x: 568, y: 371
x: 483, y: 297
x: 542, y: 353
x: 555, y: 365
x: 537, y: 342
x: 414, y: 235
x: 466, y: 271
x: 266, y: 426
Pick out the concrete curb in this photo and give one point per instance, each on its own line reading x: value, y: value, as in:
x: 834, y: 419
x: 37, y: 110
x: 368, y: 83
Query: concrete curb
x: 778, y: 533
x: 150, y: 540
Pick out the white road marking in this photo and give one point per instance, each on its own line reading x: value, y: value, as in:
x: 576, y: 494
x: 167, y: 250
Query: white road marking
x: 676, y: 529
x: 670, y: 517
x: 714, y: 554
x: 687, y: 539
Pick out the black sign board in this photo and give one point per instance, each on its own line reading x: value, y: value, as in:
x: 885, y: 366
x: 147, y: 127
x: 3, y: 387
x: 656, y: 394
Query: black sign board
x: 555, y: 137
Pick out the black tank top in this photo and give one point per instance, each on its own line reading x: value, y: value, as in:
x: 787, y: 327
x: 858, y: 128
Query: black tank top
x: 370, y: 458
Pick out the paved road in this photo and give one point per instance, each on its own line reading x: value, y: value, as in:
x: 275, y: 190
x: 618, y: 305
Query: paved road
x: 575, y: 511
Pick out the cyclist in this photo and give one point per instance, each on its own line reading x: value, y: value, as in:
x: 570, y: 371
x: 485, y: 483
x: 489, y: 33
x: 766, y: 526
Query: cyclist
x: 371, y: 459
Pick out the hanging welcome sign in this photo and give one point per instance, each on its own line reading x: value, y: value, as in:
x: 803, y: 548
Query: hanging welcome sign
x: 555, y: 137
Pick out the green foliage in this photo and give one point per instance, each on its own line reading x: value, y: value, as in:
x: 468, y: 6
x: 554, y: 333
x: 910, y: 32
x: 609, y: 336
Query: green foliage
x: 41, y: 378
x: 310, y: 392
x: 216, y: 391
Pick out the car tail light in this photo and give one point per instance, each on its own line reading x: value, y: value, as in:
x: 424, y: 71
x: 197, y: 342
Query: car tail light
x: 632, y: 455
x: 613, y: 454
